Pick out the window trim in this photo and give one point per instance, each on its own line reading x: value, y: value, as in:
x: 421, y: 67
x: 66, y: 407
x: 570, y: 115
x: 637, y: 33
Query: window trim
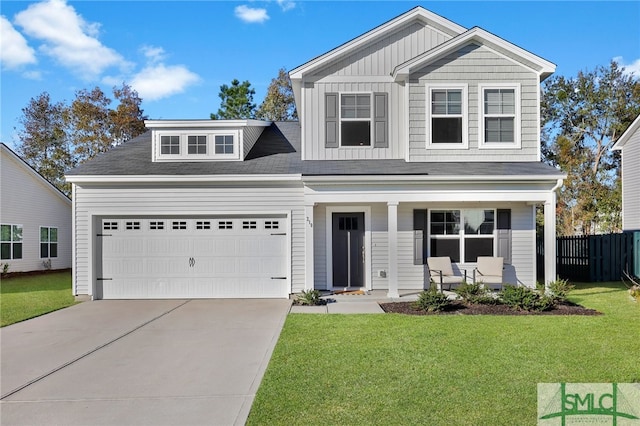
x: 210, y: 154
x: 11, y: 242
x: 370, y: 119
x: 461, y: 236
x: 48, y: 242
x: 517, y: 123
x: 429, y: 87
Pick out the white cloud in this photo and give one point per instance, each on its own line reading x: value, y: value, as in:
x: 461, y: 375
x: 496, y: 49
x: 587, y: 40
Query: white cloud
x: 153, y: 54
x: 286, y: 5
x: 251, y: 15
x: 14, y: 50
x: 631, y: 68
x: 68, y: 38
x: 32, y: 75
x: 158, y: 81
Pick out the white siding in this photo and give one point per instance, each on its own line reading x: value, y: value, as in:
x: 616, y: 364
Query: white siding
x: 473, y: 65
x: 631, y: 183
x: 412, y: 277
x: 30, y: 201
x: 126, y: 200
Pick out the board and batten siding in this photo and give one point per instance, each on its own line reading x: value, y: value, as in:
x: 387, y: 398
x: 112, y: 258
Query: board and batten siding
x: 631, y: 183
x: 381, y: 57
x: 314, y: 116
x: 179, y: 201
x: 473, y: 65
x: 28, y: 200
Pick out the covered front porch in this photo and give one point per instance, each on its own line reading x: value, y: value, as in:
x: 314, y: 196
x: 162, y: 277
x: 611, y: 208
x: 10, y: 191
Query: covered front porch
x: 377, y: 235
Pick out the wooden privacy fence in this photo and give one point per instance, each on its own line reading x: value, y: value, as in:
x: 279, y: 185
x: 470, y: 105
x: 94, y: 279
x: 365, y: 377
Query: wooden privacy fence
x: 595, y: 258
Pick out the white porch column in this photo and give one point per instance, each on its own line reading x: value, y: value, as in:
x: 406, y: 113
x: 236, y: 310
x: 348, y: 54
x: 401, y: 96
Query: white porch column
x: 392, y: 232
x: 550, y: 240
x: 309, y: 277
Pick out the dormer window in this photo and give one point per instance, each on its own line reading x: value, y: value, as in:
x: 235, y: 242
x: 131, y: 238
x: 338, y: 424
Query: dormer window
x: 170, y: 145
x: 219, y: 144
x: 197, y: 144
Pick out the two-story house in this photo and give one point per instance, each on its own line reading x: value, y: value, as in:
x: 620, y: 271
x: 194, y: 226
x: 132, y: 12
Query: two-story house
x: 419, y: 138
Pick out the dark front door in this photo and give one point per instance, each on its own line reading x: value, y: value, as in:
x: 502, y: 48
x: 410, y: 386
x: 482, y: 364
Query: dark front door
x: 348, y: 250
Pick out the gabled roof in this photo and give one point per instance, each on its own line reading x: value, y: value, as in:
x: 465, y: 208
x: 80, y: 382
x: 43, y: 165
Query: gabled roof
x: 620, y: 143
x: 416, y: 14
x: 484, y: 38
x: 33, y: 172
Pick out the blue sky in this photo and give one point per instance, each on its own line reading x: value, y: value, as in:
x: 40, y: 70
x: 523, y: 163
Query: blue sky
x: 176, y: 54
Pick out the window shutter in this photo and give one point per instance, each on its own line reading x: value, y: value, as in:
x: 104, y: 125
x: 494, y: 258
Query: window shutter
x: 503, y: 229
x: 331, y: 120
x: 380, y: 120
x: 419, y: 240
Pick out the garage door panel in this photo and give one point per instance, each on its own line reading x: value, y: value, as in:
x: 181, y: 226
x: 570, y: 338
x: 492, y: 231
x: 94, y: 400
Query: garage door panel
x: 194, y: 258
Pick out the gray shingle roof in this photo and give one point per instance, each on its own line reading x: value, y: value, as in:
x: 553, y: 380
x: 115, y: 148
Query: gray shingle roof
x: 277, y: 151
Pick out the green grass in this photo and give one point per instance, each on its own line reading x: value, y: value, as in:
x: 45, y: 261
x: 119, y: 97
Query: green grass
x: 442, y: 370
x: 26, y: 297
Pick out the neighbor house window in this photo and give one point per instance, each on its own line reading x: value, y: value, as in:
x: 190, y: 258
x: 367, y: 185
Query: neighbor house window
x: 170, y: 145
x: 499, y: 123
x: 355, y: 119
x: 48, y: 242
x: 446, y: 116
x: 224, y: 144
x: 196, y: 144
x: 11, y: 241
x: 462, y: 235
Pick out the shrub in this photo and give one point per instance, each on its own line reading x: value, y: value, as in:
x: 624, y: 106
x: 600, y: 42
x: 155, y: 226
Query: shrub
x: 310, y: 298
x: 475, y: 293
x: 635, y: 292
x: 432, y: 300
x: 525, y: 298
x: 560, y: 289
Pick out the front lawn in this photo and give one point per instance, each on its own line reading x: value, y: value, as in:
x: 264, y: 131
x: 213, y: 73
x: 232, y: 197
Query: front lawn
x: 25, y: 297
x: 443, y: 370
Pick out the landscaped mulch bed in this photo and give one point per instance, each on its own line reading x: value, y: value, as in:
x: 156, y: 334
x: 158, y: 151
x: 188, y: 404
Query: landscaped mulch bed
x: 460, y: 308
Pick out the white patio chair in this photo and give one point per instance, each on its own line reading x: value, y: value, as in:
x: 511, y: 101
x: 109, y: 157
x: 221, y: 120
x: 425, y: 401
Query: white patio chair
x: 441, y: 272
x: 489, y: 271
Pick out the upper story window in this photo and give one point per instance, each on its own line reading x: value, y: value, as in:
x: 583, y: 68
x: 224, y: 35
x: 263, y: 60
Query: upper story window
x: 447, y: 116
x: 499, y: 119
x: 200, y: 146
x: 355, y: 119
x: 196, y: 144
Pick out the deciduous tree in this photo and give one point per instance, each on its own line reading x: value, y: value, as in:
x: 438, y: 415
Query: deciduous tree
x: 237, y: 102
x: 279, y: 103
x: 44, y: 144
x: 127, y: 119
x: 582, y: 117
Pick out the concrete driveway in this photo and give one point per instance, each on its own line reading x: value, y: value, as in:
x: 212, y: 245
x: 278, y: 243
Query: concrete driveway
x: 135, y: 362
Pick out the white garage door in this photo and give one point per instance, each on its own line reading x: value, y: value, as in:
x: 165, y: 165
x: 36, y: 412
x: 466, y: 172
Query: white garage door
x: 193, y: 258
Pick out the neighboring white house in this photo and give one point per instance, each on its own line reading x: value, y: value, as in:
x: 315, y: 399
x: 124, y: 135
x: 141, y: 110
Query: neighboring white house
x: 629, y: 147
x: 35, y: 218
x: 419, y: 138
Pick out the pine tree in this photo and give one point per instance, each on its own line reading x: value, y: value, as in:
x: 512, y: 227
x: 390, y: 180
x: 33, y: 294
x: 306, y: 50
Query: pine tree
x: 237, y: 102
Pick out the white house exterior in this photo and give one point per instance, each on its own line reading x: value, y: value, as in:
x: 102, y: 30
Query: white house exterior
x: 629, y: 147
x: 419, y: 138
x: 35, y: 218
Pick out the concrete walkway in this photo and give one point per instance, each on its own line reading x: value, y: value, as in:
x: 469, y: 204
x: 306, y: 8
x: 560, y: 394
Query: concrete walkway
x: 153, y: 362
x: 354, y: 304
